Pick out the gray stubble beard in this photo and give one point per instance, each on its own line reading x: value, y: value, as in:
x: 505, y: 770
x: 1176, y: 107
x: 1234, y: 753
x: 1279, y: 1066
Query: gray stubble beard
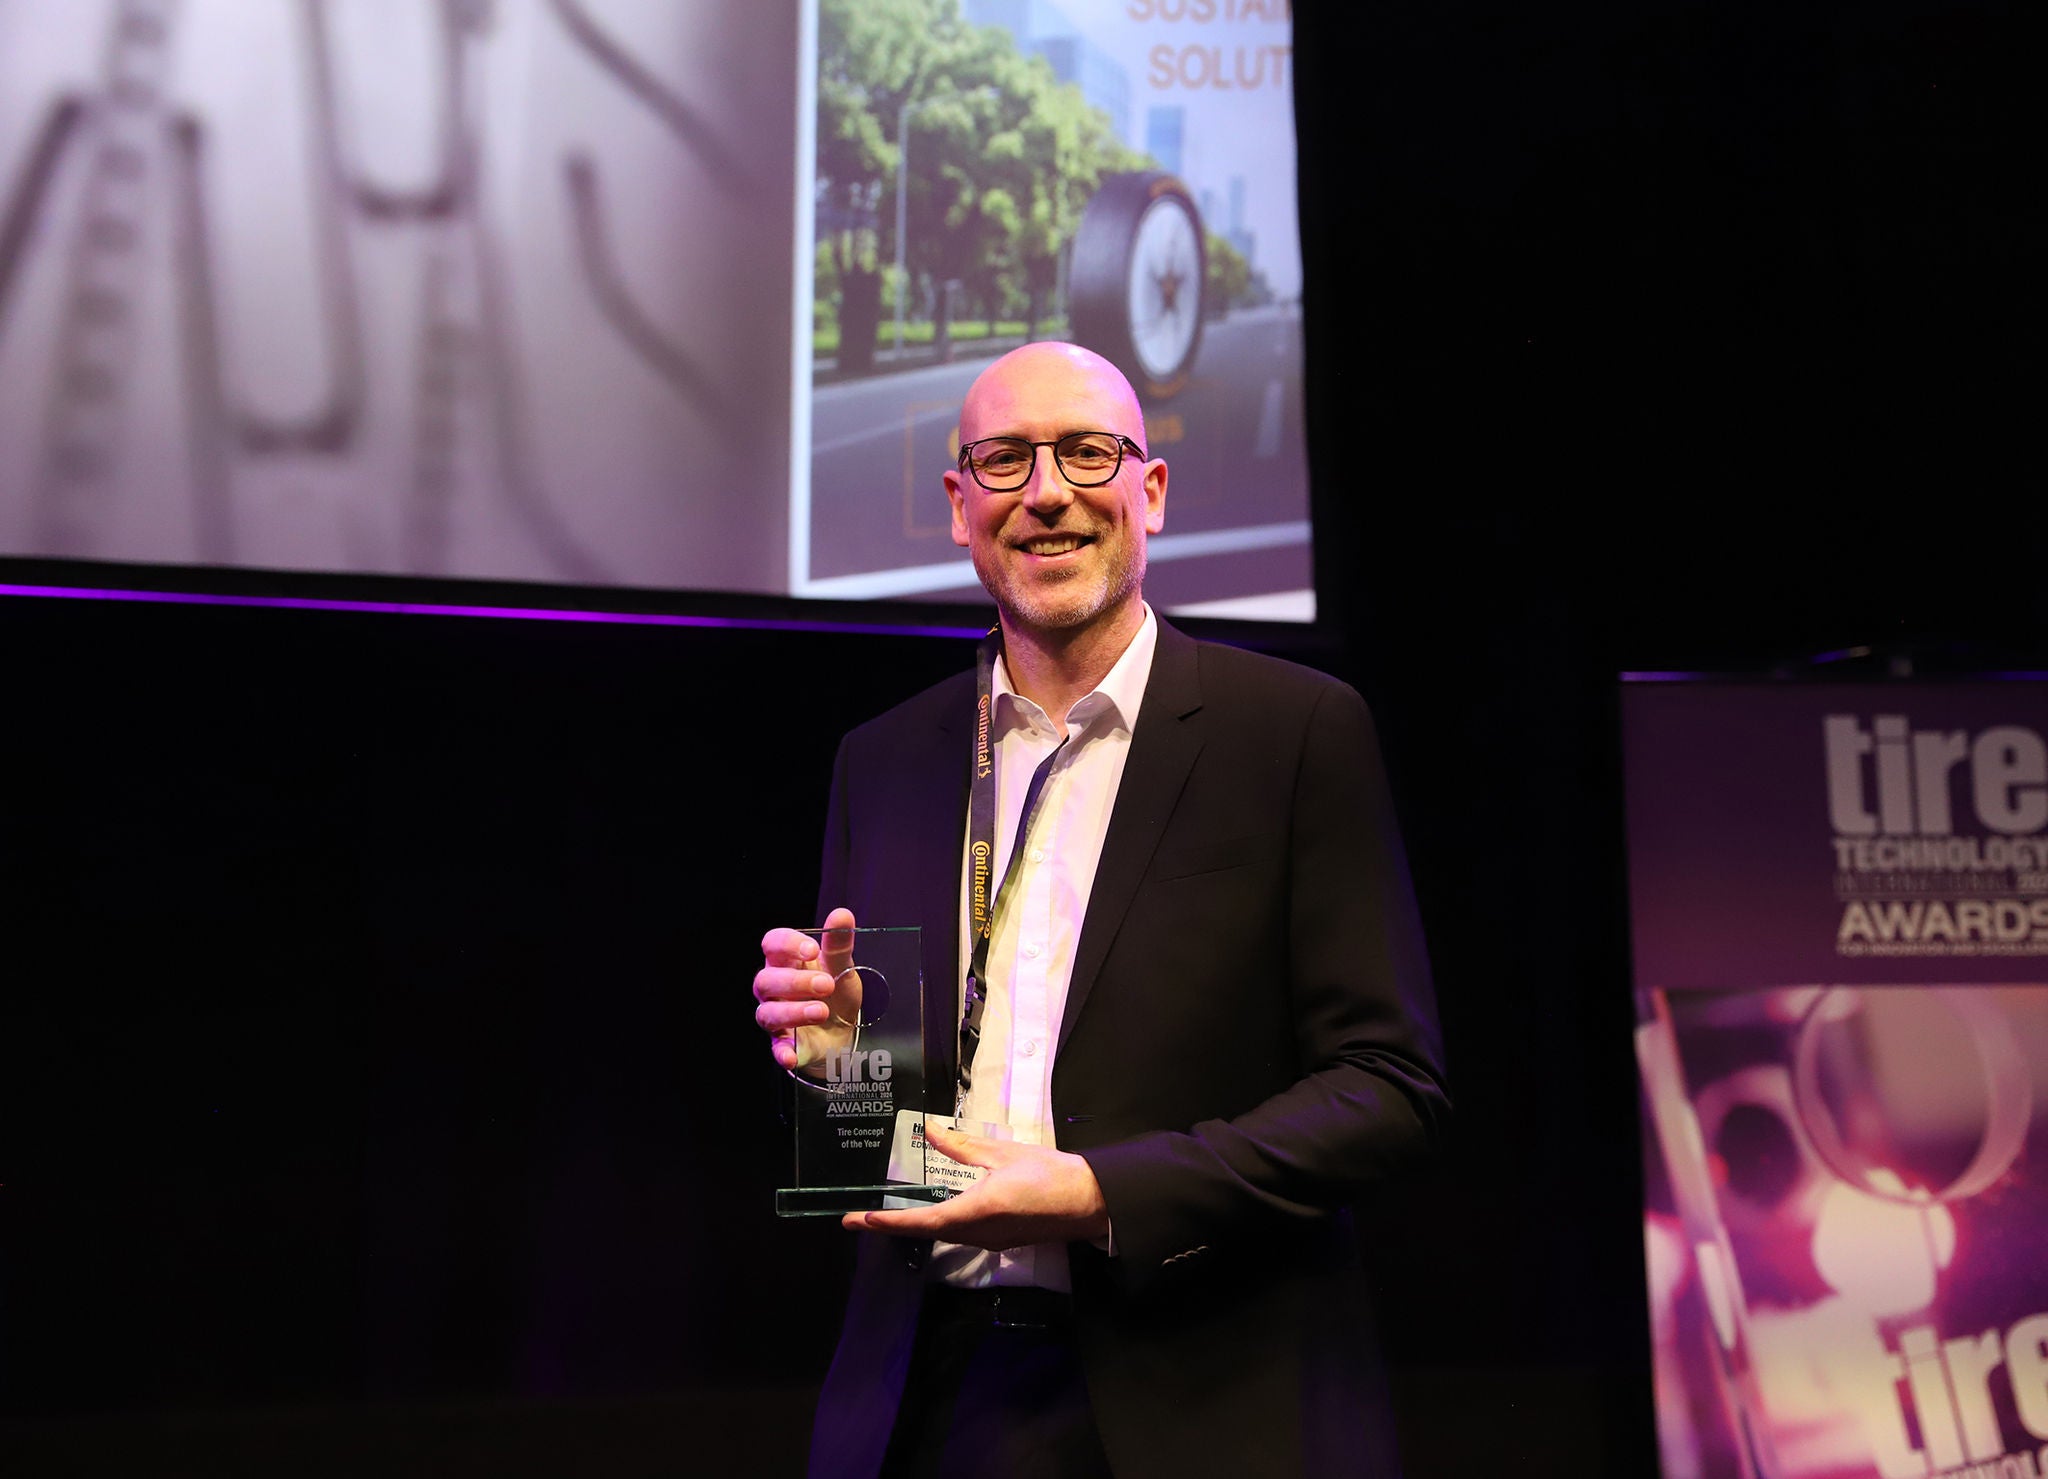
x: 1126, y: 577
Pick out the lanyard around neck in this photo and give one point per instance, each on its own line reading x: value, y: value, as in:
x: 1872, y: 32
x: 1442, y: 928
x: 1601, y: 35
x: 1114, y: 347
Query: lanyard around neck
x: 981, y: 851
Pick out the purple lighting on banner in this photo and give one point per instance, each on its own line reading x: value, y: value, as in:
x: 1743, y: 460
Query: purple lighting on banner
x: 509, y: 613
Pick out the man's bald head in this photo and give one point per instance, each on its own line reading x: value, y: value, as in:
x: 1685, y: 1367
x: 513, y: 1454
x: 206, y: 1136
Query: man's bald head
x: 1048, y: 372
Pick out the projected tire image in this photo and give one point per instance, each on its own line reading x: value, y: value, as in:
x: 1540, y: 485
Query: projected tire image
x: 1137, y: 279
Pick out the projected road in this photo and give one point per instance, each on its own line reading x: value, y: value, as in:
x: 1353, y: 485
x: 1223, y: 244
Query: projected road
x: 1233, y: 437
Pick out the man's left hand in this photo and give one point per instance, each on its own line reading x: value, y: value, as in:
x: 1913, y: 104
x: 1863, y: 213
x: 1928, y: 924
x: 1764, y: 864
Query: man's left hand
x: 1031, y: 1194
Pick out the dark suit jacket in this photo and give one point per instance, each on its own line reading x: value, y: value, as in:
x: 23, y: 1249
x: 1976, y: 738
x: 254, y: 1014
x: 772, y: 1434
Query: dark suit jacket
x: 1249, y: 1043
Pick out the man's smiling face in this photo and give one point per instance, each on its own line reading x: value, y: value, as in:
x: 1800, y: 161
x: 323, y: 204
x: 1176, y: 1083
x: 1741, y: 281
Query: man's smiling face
x: 1055, y: 557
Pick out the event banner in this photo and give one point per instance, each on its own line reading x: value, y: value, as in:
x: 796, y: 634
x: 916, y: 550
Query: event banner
x: 1839, y: 898
x: 674, y: 294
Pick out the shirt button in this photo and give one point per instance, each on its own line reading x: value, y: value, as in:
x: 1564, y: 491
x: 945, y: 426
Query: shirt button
x: 1037, y: 854
x: 1031, y: 950
x: 1030, y: 1047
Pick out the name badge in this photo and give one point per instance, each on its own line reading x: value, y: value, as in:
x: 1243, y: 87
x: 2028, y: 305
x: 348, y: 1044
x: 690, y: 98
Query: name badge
x: 908, y: 1161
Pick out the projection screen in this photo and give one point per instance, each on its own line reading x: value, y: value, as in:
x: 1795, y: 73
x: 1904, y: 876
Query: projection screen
x: 662, y: 294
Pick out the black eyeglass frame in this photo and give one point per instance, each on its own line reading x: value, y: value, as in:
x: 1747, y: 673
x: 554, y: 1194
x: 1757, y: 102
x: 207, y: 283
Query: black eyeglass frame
x: 1123, y: 445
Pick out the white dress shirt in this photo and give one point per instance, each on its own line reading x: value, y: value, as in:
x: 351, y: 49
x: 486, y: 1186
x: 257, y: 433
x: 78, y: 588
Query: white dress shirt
x: 1031, y: 952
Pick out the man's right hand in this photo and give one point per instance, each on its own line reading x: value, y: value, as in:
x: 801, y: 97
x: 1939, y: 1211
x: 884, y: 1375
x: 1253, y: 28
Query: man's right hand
x: 809, y: 998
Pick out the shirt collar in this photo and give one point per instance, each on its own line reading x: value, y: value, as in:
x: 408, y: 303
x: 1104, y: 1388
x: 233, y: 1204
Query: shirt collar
x: 1121, y: 691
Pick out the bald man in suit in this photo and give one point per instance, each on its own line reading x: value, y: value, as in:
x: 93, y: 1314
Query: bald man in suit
x: 1211, y: 940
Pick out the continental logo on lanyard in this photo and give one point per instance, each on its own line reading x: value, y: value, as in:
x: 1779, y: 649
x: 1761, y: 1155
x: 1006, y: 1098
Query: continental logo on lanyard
x: 984, y: 767
x: 980, y: 894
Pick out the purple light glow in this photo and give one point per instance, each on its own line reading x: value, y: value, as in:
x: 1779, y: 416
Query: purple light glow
x: 508, y: 613
x: 1840, y: 654
x: 2015, y: 675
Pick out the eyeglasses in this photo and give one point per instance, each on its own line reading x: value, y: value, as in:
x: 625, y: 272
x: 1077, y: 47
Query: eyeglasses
x: 1086, y: 459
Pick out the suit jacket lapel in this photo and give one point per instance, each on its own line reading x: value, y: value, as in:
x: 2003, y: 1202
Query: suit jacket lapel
x: 1163, y: 750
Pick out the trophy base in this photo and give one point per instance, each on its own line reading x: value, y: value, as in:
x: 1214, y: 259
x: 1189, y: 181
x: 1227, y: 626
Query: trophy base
x: 837, y: 1201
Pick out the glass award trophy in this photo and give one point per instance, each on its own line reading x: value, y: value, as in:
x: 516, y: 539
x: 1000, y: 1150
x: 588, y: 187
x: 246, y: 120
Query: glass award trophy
x: 860, y: 1082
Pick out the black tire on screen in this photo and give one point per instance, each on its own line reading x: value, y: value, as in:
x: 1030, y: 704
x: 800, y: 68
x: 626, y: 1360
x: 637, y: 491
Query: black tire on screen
x: 1135, y: 287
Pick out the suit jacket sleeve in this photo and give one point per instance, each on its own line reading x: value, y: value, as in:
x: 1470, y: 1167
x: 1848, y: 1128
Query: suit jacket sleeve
x: 1362, y: 1093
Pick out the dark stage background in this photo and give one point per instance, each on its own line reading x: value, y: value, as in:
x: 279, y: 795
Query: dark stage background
x: 378, y: 1090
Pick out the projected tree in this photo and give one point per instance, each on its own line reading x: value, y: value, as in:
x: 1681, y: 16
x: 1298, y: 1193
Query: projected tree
x: 1062, y: 149
x: 1002, y: 160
